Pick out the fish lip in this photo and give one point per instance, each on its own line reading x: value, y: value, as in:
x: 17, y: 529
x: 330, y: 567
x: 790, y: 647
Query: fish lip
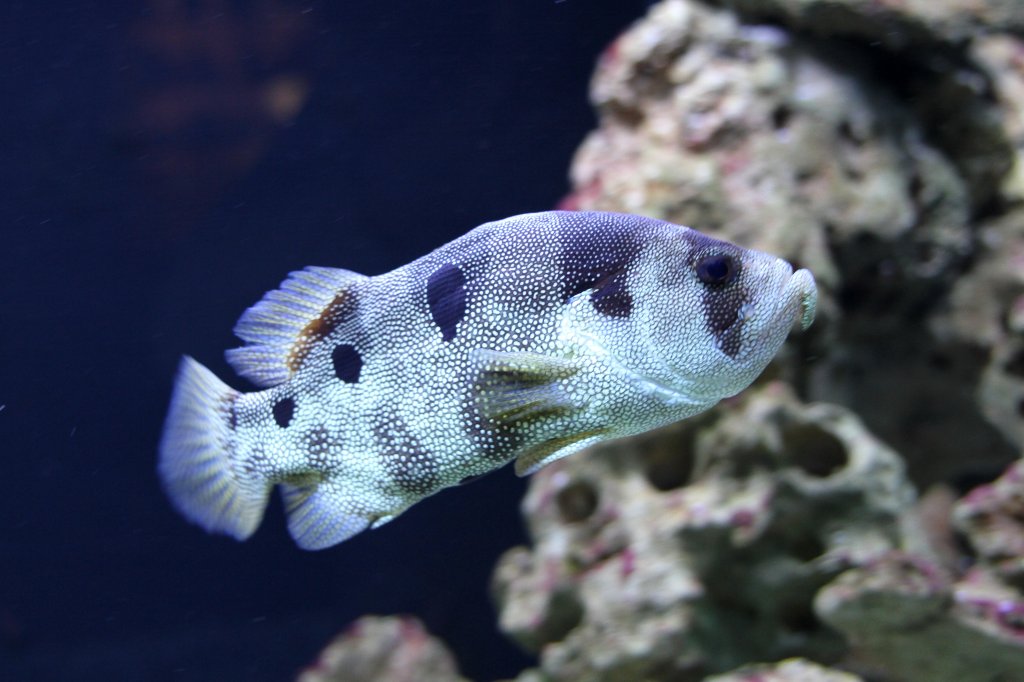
x: 796, y: 301
x: 802, y: 288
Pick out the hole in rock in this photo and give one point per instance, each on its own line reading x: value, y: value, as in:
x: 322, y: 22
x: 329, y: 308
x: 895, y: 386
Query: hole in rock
x: 816, y: 451
x: 670, y: 465
x: 781, y: 117
x: 577, y: 501
x: 1015, y: 365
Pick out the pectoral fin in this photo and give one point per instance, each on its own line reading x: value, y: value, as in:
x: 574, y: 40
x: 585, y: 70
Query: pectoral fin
x: 510, y: 388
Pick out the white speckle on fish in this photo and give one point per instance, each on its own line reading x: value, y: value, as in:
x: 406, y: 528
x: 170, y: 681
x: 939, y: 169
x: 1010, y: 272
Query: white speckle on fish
x: 525, y: 340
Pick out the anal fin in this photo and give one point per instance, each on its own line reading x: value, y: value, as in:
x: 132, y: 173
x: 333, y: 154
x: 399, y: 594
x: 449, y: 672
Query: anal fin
x: 320, y: 514
x: 545, y: 453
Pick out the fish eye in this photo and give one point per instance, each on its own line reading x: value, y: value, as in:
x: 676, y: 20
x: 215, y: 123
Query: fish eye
x: 717, y: 269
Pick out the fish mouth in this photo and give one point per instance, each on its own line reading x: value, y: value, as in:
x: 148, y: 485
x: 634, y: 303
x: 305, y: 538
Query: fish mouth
x: 794, y: 304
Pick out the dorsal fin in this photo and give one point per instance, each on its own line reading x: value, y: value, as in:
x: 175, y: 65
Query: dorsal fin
x: 282, y: 328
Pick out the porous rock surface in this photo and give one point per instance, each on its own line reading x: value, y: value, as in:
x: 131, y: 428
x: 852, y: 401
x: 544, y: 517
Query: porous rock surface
x: 894, y: 23
x: 906, y: 619
x: 700, y: 548
x: 991, y: 519
x: 766, y: 529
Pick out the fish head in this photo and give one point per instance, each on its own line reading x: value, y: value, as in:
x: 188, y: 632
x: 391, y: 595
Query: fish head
x: 706, y: 316
x: 714, y: 314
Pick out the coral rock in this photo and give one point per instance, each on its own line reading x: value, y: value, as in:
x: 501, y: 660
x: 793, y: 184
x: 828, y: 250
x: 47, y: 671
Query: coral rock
x: 904, y: 616
x: 986, y: 314
x: 991, y: 517
x: 863, y: 165
x: 894, y: 23
x: 384, y: 649
x: 1002, y: 59
x: 889, y: 164
x: 792, y: 670
x: 700, y: 547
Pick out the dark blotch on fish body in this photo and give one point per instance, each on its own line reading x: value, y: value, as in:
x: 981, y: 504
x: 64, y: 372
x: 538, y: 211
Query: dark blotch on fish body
x: 347, y: 363
x: 284, y: 410
x: 446, y: 298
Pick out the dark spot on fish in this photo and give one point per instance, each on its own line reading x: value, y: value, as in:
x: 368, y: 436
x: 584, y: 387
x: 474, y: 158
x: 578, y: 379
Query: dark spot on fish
x: 723, y: 294
x: 721, y: 309
x: 722, y: 312
x: 446, y: 298
x: 284, y: 410
x: 415, y: 471
x: 599, y: 254
x: 611, y: 297
x: 340, y: 310
x: 469, y: 479
x: 319, y: 447
x: 411, y: 468
x: 232, y: 413
x: 347, y: 363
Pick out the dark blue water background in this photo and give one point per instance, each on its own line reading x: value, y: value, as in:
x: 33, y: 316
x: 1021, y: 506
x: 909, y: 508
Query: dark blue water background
x: 146, y: 199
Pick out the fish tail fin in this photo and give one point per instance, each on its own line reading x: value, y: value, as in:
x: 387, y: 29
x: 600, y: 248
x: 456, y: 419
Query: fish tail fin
x: 197, y: 465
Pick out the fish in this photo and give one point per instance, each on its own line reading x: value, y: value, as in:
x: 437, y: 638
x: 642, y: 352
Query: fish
x: 525, y: 340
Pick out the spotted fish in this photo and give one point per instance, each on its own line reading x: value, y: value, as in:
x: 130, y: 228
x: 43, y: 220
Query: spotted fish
x: 525, y: 340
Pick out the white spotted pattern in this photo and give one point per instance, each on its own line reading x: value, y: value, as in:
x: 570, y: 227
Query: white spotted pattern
x: 570, y: 328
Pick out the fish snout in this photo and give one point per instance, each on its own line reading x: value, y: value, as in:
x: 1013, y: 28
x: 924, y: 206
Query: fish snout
x: 803, y: 290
